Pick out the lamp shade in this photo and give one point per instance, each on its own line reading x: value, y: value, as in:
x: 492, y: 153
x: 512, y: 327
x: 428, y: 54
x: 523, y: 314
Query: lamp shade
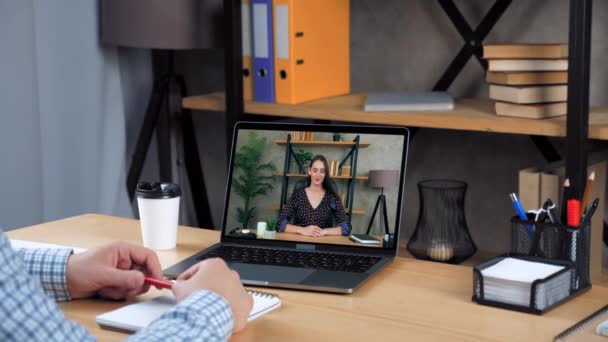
x: 162, y: 24
x: 383, y: 178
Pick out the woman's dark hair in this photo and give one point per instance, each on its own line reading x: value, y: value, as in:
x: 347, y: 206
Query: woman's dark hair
x: 327, y: 182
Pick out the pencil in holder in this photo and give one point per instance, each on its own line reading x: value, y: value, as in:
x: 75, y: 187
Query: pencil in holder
x: 554, y: 241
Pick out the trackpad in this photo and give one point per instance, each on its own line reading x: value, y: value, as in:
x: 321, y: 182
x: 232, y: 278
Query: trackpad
x: 273, y: 274
x: 346, y: 280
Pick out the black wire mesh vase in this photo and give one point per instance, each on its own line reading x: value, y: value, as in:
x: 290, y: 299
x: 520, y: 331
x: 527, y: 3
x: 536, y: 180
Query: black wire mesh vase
x: 441, y: 232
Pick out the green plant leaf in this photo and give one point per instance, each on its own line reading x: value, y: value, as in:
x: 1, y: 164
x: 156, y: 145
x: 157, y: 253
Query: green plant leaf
x: 270, y: 224
x: 249, y: 179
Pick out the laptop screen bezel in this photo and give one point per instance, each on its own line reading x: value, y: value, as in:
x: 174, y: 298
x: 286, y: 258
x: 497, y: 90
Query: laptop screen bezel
x: 334, y: 128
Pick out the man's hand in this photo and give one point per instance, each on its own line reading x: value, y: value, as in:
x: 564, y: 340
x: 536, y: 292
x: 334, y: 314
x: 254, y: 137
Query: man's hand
x: 115, y: 271
x: 310, y: 231
x: 214, y: 275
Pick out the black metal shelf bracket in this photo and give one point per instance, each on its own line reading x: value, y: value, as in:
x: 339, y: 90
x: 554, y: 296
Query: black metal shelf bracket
x: 473, y: 46
x: 233, y: 68
x: 472, y: 39
x: 577, y: 122
x: 546, y: 148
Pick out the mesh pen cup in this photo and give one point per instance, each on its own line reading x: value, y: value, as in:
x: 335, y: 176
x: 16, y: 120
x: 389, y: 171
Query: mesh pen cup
x: 554, y: 241
x: 158, y: 205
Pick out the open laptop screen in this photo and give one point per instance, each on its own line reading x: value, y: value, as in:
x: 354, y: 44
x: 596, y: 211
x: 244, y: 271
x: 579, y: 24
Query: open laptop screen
x: 316, y: 184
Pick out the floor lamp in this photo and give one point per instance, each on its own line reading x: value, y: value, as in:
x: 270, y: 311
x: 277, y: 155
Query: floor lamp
x: 381, y: 179
x: 165, y: 26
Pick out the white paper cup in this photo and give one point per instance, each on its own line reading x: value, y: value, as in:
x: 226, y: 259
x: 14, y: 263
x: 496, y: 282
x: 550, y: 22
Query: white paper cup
x: 261, y: 229
x: 158, y: 205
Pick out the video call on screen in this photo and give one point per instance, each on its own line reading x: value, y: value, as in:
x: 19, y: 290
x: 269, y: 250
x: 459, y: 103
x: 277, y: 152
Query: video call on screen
x: 272, y: 183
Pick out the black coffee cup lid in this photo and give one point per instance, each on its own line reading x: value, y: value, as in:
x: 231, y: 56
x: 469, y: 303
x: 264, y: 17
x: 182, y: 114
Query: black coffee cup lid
x: 157, y: 190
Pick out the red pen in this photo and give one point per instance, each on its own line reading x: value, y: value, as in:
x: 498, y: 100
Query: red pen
x: 165, y: 284
x: 574, y: 212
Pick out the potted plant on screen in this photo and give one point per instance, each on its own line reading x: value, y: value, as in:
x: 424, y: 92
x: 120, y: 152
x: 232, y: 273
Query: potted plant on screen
x: 338, y: 136
x: 270, y: 229
x: 251, y: 178
x: 302, y: 159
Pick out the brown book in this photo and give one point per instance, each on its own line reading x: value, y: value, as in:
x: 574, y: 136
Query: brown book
x: 549, y: 186
x: 528, y: 51
x: 531, y: 111
x: 527, y: 95
x: 527, y: 78
x: 529, y: 188
x: 528, y: 64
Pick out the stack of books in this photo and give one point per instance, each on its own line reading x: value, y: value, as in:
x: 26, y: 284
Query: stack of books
x: 302, y: 136
x: 528, y: 80
x: 333, y: 167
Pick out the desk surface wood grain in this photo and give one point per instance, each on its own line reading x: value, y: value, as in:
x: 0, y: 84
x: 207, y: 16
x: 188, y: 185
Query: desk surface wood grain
x: 409, y: 300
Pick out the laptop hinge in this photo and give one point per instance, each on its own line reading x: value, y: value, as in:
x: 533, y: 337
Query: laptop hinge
x: 306, y: 247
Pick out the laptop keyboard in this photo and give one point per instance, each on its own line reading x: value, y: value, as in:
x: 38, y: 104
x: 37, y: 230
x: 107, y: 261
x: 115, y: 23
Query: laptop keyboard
x: 291, y: 258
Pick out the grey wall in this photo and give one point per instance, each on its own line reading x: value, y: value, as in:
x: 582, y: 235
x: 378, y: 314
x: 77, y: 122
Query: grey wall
x: 406, y: 45
x: 21, y: 178
x: 62, y: 132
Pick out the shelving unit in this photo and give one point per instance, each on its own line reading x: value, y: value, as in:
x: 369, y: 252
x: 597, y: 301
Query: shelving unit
x: 468, y: 115
x: 471, y: 115
x: 575, y: 129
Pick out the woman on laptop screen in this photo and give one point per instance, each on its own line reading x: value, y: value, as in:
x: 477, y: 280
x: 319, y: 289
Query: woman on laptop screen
x: 315, y: 209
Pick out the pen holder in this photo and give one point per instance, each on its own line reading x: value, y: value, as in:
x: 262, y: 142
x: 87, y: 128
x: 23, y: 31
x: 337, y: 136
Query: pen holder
x: 554, y: 241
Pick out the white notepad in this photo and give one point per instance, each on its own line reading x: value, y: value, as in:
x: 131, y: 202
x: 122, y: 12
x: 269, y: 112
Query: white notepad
x: 137, y: 316
x: 520, y: 271
x: 510, y: 281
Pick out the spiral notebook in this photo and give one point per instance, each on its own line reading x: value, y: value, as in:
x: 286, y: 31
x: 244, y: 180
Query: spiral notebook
x: 585, y: 329
x: 137, y: 316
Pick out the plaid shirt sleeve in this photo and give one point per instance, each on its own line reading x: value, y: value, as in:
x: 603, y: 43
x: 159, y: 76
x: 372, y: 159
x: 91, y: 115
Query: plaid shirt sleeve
x: 49, y: 266
x: 203, y: 316
x: 26, y: 313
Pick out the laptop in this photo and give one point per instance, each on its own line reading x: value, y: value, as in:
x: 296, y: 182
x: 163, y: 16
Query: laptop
x: 268, y: 185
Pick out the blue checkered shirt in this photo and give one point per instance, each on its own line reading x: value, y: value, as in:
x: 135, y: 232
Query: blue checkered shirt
x: 30, y: 281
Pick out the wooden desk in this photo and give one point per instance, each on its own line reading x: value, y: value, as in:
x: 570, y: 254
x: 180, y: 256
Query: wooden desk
x: 331, y: 239
x: 408, y: 300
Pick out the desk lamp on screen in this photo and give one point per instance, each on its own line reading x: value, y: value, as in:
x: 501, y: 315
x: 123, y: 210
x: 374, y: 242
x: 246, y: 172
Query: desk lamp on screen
x: 382, y: 179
